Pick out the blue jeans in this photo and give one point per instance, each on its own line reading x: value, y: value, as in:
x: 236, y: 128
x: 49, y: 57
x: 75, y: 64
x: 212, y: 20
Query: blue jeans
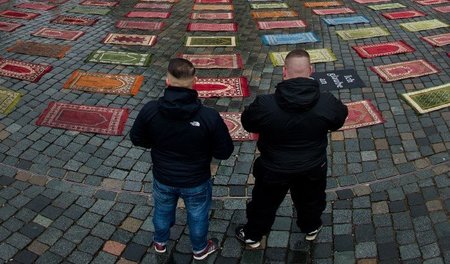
x: 197, y: 201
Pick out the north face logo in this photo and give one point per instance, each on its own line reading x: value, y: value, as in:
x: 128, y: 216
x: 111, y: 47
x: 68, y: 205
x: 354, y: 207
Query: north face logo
x: 195, y: 123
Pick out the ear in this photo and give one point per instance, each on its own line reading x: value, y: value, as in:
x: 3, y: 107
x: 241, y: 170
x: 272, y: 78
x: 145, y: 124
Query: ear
x: 284, y: 72
x: 311, y: 69
x: 167, y: 81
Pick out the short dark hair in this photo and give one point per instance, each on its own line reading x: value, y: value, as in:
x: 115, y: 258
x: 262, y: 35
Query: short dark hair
x: 297, y: 53
x: 181, y: 68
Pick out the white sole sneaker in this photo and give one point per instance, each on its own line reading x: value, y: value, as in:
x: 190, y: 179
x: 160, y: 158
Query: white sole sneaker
x: 312, y: 235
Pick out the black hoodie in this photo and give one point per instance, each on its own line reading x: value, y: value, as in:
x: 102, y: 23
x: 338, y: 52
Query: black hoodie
x: 184, y: 135
x: 293, y: 124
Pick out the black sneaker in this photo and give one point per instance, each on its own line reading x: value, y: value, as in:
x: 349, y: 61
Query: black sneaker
x: 313, y: 234
x: 240, y: 234
x: 210, y: 248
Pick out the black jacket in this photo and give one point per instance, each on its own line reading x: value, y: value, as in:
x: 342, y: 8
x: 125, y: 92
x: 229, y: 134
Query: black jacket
x: 293, y: 124
x: 184, y: 135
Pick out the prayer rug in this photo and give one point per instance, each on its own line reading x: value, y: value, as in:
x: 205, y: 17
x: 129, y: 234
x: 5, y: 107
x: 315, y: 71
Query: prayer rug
x: 362, y: 33
x: 142, y: 25
x: 36, y: 6
x: 346, y: 20
x: 199, y: 7
x: 297, y: 38
x: 423, y: 25
x: 99, y: 3
x: 39, y: 49
x: 104, y: 83
x: 386, y: 6
x: 119, y: 57
x: 18, y: 15
x: 22, y: 70
x: 89, y: 10
x: 442, y: 9
x: 3, y: 1
x: 438, y: 40
x: 212, y: 27
x: 222, y: 87
x: 8, y: 99
x: 84, y: 118
x: 333, y: 11
x: 251, y: 1
x: 130, y: 39
x: 322, y: 4
x: 269, y: 6
x: 404, y: 70
x: 161, y: 1
x: 214, y: 61
x: 211, y: 16
x: 73, y: 20
x: 370, y: 1
x: 273, y: 14
x: 431, y: 2
x: 58, y: 2
x: 217, y: 41
x: 316, y: 56
x: 338, y: 80
x: 361, y: 114
x: 430, y: 99
x: 9, y: 26
x: 153, y: 5
x: 403, y: 14
x: 148, y: 14
x: 58, y: 33
x: 281, y: 24
x: 212, y: 1
x: 383, y: 49
x: 237, y: 132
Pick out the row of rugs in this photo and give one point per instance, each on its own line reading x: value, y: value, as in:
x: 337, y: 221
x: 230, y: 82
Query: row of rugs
x: 106, y: 120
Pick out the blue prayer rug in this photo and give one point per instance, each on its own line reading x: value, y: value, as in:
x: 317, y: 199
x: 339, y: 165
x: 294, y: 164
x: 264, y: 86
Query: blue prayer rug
x: 281, y: 39
x: 345, y: 20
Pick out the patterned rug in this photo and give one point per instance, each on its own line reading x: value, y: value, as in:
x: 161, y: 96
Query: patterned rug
x: 130, y: 39
x: 148, y: 14
x: 431, y: 2
x: 84, y: 118
x: 438, y: 40
x: 281, y: 24
x: 9, y: 26
x: 142, y: 25
x: 237, y: 132
x: 8, y: 99
x: 333, y: 11
x: 161, y: 1
x: 217, y: 41
x: 338, y: 80
x: 104, y: 83
x: 214, y: 61
x: 323, y: 4
x: 383, y: 49
x: 269, y: 6
x: 153, y: 6
x: 119, y: 57
x: 212, y: 27
x: 403, y: 14
x: 99, y: 3
x: 18, y: 15
x: 211, y: 16
x: 222, y: 87
x: 39, y: 49
x: 22, y: 70
x: 362, y: 114
x: 89, y: 10
x: 58, y: 33
x: 273, y: 14
x: 73, y: 20
x: 3, y: 1
x: 423, y: 25
x: 297, y: 38
x: 346, y: 20
x: 386, y: 6
x: 370, y: 1
x: 212, y: 1
x: 36, y: 6
x: 362, y: 33
x: 442, y: 9
x: 316, y: 56
x: 404, y: 70
x: 200, y: 7
x: 430, y: 99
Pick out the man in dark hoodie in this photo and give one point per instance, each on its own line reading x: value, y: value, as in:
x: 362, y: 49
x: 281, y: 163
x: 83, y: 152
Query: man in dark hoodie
x: 293, y: 125
x: 183, y: 136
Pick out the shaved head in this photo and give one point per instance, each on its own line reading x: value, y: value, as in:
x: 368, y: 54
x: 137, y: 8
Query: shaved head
x: 297, y: 64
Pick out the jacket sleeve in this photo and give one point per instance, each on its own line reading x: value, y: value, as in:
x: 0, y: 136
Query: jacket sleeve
x: 250, y: 118
x: 139, y: 133
x: 222, y: 144
x: 340, y: 114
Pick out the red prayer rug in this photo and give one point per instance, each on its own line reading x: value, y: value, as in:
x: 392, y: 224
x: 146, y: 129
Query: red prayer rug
x: 403, y: 14
x: 153, y: 5
x: 142, y: 25
x: 148, y: 14
x: 212, y: 27
x: 212, y: 16
x: 371, y: 1
x: 84, y: 118
x: 9, y: 26
x: 3, y: 1
x: 73, y: 20
x: 18, y: 15
x: 234, y: 125
x: 22, y: 70
x: 214, y: 61
x: 99, y: 3
x: 438, y: 40
x: 222, y: 87
x: 333, y: 11
x: 36, y: 6
x: 58, y: 33
x: 404, y: 70
x: 442, y: 9
x: 212, y: 1
x: 383, y: 49
x: 362, y: 114
x: 130, y: 39
x: 281, y: 24
x: 431, y: 2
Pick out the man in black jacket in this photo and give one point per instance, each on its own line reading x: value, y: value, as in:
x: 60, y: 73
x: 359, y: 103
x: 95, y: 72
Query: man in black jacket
x: 184, y: 135
x: 293, y: 125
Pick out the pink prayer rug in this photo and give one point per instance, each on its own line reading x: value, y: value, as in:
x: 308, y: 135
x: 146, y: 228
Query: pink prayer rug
x: 58, y: 33
x: 222, y: 87
x: 214, y: 61
x: 438, y: 40
x: 403, y: 14
x: 142, y: 25
x: 36, y: 6
x: 442, y: 9
x: 237, y: 132
x: 148, y: 14
x: 362, y: 114
x: 404, y: 70
x: 9, y: 26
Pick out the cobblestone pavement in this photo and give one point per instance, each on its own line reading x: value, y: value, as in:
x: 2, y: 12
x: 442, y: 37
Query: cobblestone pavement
x: 70, y: 197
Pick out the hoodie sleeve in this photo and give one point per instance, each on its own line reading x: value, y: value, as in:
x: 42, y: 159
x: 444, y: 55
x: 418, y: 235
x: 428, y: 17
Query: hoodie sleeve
x: 139, y: 133
x: 251, y: 117
x: 340, y: 113
x: 222, y: 144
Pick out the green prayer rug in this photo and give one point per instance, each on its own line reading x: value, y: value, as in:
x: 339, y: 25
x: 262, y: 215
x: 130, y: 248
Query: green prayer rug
x: 386, y: 6
x: 8, y: 99
x: 269, y: 6
x: 362, y: 33
x: 89, y: 10
x: 430, y: 99
x: 217, y: 41
x: 316, y: 56
x: 423, y: 25
x: 119, y: 57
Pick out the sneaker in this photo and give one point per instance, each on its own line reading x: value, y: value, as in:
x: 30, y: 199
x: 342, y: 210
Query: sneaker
x: 312, y: 235
x: 240, y: 234
x: 210, y: 248
x: 159, y: 247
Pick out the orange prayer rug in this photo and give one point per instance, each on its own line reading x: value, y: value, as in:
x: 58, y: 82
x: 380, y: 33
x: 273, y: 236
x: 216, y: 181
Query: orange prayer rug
x: 323, y: 4
x: 39, y: 49
x: 273, y: 14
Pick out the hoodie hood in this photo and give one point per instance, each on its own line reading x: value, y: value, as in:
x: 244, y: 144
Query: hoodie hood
x: 179, y: 103
x: 297, y: 94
